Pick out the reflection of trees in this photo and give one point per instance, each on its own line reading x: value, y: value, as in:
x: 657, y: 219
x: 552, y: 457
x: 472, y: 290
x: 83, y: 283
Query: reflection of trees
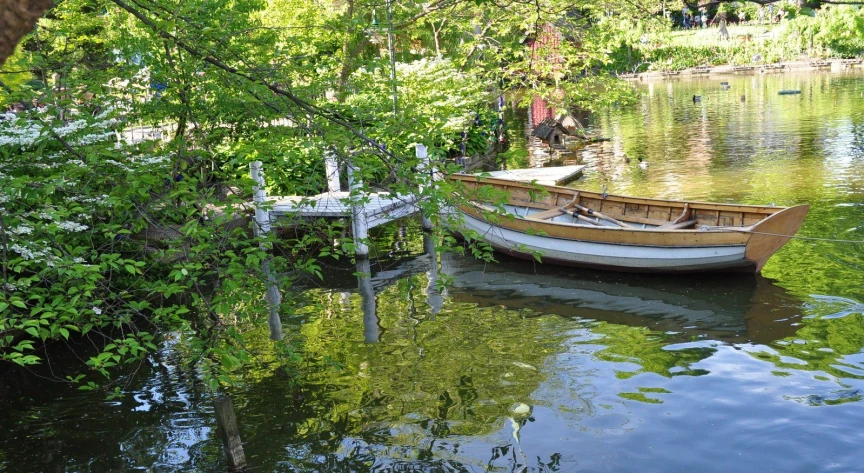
x: 437, y: 358
x: 405, y: 401
x: 766, y: 148
x: 822, y: 345
x: 428, y: 378
x: 646, y: 349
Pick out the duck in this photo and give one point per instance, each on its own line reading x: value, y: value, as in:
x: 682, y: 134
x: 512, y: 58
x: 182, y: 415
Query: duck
x: 626, y: 158
x: 643, y: 164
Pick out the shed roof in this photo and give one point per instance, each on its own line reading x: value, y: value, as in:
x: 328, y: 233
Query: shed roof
x: 547, y: 127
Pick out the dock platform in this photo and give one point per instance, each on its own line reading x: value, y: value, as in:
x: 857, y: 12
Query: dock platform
x: 378, y: 207
x: 551, y: 176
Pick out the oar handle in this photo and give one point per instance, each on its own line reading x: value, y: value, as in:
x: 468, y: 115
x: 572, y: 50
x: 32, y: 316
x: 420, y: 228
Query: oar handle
x: 600, y: 215
x: 579, y: 217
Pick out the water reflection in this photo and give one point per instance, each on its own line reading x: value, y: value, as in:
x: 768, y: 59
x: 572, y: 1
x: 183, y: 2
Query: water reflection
x: 371, y: 330
x: 734, y: 309
x: 615, y: 372
x: 435, y: 289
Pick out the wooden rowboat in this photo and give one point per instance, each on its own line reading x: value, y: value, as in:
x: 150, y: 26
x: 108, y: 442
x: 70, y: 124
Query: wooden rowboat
x: 577, y: 228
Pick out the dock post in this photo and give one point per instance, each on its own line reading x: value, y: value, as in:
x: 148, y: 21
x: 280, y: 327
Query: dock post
x: 358, y: 214
x: 226, y: 421
x: 259, y: 197
x: 262, y: 227
x: 332, y: 169
x: 426, y: 167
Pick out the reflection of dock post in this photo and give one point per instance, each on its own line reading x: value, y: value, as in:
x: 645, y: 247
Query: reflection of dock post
x: 426, y: 169
x: 332, y: 169
x: 358, y: 216
x: 262, y: 228
x: 447, y: 268
x: 433, y: 295
x: 226, y: 421
x: 367, y: 295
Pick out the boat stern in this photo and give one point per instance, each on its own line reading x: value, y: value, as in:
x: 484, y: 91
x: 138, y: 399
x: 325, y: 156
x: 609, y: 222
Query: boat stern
x: 771, y: 234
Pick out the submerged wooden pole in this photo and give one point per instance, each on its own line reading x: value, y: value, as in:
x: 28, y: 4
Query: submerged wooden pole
x: 229, y: 431
x: 262, y: 228
x: 332, y: 169
x: 358, y: 215
x: 426, y: 167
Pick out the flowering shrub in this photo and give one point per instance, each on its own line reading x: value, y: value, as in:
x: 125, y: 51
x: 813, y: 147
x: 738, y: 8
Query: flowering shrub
x: 98, y: 237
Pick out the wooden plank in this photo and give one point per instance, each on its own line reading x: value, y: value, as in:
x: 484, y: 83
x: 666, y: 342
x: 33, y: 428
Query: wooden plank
x: 618, y: 235
x: 649, y: 221
x: 753, y: 209
x: 545, y: 215
x: 552, y: 176
x: 760, y: 247
x: 677, y: 226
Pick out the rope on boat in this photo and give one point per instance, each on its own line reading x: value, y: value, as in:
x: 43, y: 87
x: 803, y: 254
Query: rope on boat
x: 834, y: 240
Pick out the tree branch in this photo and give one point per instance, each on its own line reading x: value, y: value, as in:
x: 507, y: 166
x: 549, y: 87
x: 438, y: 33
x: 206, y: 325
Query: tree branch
x: 307, y: 107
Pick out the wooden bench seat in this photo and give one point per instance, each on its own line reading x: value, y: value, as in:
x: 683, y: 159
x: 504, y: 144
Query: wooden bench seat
x: 677, y: 226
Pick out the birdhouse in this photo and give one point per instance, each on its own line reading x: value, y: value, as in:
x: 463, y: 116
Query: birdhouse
x: 551, y: 132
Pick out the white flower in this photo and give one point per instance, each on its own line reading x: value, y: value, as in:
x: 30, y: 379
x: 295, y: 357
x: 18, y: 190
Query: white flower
x: 28, y: 253
x: 22, y: 230
x: 72, y: 226
x: 97, y: 310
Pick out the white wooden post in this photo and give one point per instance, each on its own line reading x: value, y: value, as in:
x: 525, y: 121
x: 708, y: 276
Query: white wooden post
x: 259, y: 197
x: 427, y: 170
x: 262, y: 228
x: 332, y: 169
x: 358, y: 215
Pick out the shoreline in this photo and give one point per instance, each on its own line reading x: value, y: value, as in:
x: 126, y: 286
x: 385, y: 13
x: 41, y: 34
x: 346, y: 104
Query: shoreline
x: 834, y: 65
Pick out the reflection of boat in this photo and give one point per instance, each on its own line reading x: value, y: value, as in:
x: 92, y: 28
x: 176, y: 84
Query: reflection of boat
x: 734, y: 310
x: 729, y: 309
x: 577, y: 228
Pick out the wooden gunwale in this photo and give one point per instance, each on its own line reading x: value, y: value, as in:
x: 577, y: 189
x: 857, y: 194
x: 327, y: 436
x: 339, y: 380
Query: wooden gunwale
x: 507, y: 185
x: 615, y: 235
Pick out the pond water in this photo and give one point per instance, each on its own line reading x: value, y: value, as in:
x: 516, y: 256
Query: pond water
x: 516, y: 367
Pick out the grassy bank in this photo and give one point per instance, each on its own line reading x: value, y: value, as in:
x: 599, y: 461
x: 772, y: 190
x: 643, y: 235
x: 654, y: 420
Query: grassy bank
x: 836, y: 32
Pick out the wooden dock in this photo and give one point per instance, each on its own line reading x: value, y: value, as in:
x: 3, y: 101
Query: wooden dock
x: 551, y: 176
x: 368, y: 210
x: 365, y: 210
x: 378, y: 208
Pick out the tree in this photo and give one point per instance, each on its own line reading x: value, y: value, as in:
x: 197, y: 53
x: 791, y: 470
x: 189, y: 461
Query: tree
x: 17, y: 18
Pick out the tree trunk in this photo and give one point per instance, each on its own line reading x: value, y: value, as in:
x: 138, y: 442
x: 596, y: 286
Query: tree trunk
x: 17, y: 18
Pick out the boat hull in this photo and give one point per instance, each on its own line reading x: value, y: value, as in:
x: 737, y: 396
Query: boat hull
x: 623, y: 233
x: 616, y: 257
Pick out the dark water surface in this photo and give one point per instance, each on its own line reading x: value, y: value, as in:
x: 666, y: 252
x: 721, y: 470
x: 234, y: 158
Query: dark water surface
x: 516, y: 367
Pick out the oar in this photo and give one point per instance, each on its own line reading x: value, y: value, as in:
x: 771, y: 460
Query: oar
x: 684, y: 214
x: 579, y: 217
x: 601, y: 216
